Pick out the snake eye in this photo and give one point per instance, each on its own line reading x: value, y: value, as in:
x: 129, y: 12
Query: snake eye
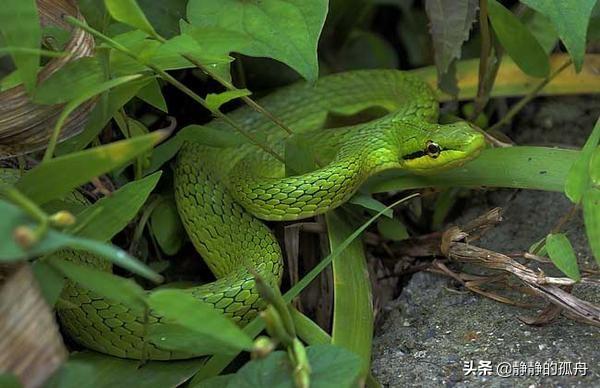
x: 433, y: 149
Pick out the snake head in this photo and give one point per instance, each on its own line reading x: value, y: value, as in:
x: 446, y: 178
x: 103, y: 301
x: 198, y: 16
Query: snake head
x: 434, y: 147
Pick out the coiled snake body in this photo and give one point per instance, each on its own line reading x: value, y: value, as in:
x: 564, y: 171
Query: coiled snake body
x: 222, y: 193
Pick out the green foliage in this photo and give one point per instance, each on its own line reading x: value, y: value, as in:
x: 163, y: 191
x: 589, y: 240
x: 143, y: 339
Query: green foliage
x: 91, y: 369
x: 570, y: 18
x: 579, y: 178
x: 285, y: 31
x: 518, y: 41
x: 562, y: 255
x: 113, y: 287
x: 108, y: 216
x: 143, y: 38
x: 194, y: 326
x: 128, y: 12
x: 167, y: 226
x: 20, y: 28
x: 59, y: 176
x: 331, y: 366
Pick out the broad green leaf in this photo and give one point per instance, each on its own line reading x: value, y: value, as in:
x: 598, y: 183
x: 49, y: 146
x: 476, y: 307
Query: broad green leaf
x: 591, y: 217
x: 129, y: 12
x: 200, y: 320
x: 392, y: 229
x: 214, y: 101
x: 111, y: 214
x: 112, y: 287
x: 104, y: 110
x: 167, y: 226
x: 571, y: 18
x: 562, y: 255
x: 578, y: 179
x: 214, y: 382
x: 95, y: 13
x: 353, y: 301
x: 518, y: 41
x: 450, y: 23
x: 536, y: 168
x: 20, y: 27
x: 164, y: 15
x: 165, y: 56
x: 51, y: 281
x: 542, y: 28
x: 368, y: 202
x: 59, y: 176
x: 91, y: 369
x: 287, y: 31
x: 595, y: 167
x: 80, y: 76
x: 331, y: 366
x: 152, y: 94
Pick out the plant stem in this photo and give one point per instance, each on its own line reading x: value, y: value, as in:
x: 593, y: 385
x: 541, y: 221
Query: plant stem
x: 486, y: 49
x: 530, y: 96
x: 246, y: 99
x: 170, y: 79
x: 28, y: 206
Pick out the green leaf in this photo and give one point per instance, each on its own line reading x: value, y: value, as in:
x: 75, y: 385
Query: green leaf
x: 392, y: 229
x: 518, y: 41
x: 59, y: 176
x: 595, y: 167
x: 20, y: 27
x: 164, y: 15
x: 166, y: 56
x: 542, y: 28
x: 353, y: 301
x: 91, y: 369
x: 167, y: 226
x: 9, y: 380
x: 368, y: 202
x: 214, y: 101
x: 571, y: 18
x: 450, y: 23
x: 104, y: 110
x: 115, y: 288
x: 331, y: 366
x: 591, y: 217
x: 111, y: 214
x: 536, y: 168
x: 286, y: 31
x: 562, y: 255
x: 81, y: 75
x: 198, y: 322
x: 50, y: 280
x: 52, y: 241
x: 152, y: 94
x: 578, y: 179
x: 129, y: 12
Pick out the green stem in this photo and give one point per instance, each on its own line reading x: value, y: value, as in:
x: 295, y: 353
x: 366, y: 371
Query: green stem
x: 486, y: 48
x: 170, y: 79
x: 530, y: 96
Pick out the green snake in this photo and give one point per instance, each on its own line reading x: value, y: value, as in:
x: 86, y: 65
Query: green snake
x: 223, y: 192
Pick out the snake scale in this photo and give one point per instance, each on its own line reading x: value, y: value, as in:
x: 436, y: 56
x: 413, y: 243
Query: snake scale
x: 224, y: 193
